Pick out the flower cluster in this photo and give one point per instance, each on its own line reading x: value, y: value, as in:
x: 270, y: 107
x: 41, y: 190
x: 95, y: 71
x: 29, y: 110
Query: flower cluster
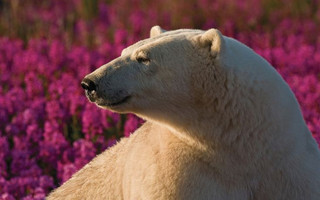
x: 48, y: 129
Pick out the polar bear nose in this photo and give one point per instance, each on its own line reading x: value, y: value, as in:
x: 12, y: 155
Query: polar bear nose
x: 88, y: 85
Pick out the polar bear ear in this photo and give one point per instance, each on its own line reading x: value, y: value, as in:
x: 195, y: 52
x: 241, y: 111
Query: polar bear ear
x: 155, y: 31
x: 213, y: 39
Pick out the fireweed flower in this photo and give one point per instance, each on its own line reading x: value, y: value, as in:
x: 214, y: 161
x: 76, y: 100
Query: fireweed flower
x: 49, y: 130
x: 7, y: 196
x: 84, y: 152
x: 131, y: 124
x: 65, y: 171
x: 4, y: 156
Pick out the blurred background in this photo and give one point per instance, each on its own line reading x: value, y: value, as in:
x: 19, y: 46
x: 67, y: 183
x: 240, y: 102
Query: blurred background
x: 48, y: 129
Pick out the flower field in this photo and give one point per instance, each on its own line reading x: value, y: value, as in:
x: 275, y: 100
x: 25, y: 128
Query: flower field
x: 49, y: 130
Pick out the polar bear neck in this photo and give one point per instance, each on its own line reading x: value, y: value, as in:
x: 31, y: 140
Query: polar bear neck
x: 249, y: 147
x: 234, y: 126
x: 241, y: 107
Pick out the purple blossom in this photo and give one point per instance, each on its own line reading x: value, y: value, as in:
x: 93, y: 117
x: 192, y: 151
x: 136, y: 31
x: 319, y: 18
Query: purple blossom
x: 34, y: 86
x: 91, y: 121
x: 49, y: 130
x: 131, y: 124
x: 56, y: 110
x: 65, y: 171
x: 84, y: 152
x: 4, y: 155
x: 7, y: 196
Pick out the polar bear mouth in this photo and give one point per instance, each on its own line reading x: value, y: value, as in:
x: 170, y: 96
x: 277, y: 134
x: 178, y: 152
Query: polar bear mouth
x: 112, y: 104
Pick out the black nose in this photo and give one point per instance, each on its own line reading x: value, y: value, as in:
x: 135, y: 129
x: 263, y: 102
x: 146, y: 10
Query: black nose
x: 88, y: 85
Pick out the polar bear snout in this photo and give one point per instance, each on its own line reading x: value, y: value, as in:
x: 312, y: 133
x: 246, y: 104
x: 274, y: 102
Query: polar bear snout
x: 109, y: 97
x: 90, y: 88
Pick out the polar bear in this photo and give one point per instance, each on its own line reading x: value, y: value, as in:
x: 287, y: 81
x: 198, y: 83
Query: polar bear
x: 221, y: 123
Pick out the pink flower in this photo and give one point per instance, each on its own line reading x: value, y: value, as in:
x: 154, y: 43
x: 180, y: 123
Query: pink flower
x: 48, y: 129
x: 65, y: 171
x: 7, y: 196
x: 132, y: 123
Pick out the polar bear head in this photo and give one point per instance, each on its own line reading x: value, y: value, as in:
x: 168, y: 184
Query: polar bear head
x: 187, y: 76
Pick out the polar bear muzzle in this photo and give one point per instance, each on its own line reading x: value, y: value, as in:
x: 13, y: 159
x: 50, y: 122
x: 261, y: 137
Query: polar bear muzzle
x: 91, y: 92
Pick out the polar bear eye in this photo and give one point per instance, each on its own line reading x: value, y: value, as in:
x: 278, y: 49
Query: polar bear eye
x: 143, y: 60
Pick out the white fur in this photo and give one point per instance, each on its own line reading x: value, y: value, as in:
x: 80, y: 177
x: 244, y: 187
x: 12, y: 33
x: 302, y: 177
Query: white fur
x: 221, y: 124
